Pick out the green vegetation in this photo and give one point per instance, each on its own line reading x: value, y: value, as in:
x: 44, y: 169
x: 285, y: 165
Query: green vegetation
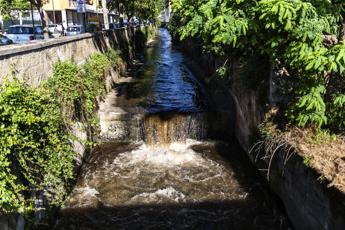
x: 35, y: 154
x: 304, y: 37
x: 144, y: 9
x: 307, y: 161
x: 7, y: 5
x: 77, y: 87
x: 35, y: 143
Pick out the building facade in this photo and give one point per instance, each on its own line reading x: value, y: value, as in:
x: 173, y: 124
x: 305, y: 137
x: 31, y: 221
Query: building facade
x: 62, y: 12
x: 76, y: 12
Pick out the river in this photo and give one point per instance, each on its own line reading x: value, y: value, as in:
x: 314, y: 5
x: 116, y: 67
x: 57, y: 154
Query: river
x: 174, y: 176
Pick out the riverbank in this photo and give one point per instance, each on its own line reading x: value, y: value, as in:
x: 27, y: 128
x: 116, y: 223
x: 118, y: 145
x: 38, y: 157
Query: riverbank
x: 54, y: 124
x: 304, y: 168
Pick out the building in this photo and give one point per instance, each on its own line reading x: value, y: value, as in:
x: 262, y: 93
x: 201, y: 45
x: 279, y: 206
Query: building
x: 76, y: 12
x: 63, y: 12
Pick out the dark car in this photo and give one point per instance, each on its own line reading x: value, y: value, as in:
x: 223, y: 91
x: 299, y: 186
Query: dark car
x: 5, y: 40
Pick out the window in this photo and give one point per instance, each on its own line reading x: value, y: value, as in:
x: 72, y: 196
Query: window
x: 73, y: 29
x: 20, y: 30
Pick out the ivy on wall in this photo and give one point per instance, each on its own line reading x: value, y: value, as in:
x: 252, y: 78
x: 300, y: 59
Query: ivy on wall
x: 35, y: 154
x: 35, y: 143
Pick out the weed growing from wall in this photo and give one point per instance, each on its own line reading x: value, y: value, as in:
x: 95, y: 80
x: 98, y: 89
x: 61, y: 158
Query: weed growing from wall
x: 35, y: 142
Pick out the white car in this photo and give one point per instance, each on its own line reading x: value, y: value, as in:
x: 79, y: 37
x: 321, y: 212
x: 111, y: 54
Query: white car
x: 75, y: 30
x: 24, y: 33
x: 4, y: 40
x: 55, y: 29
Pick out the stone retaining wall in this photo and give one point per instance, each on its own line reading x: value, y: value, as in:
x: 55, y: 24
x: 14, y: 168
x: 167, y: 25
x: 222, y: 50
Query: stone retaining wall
x: 34, y: 62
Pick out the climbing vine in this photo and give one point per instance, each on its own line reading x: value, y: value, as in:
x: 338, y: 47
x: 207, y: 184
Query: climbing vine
x: 35, y: 143
x: 77, y: 87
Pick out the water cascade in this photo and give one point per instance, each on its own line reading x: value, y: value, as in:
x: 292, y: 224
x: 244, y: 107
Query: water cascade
x: 174, y: 178
x: 163, y: 129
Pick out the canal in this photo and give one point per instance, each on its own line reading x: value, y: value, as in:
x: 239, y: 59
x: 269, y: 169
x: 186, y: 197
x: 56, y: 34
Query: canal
x: 174, y: 175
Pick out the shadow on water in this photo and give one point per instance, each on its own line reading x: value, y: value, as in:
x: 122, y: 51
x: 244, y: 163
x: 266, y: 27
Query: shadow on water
x: 164, y: 82
x: 235, y: 215
x: 249, y: 205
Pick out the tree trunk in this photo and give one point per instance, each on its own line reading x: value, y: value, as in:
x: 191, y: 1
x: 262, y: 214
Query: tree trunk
x: 105, y: 15
x: 44, y: 20
x: 2, y: 29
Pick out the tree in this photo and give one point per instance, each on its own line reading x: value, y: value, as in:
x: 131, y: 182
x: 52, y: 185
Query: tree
x: 143, y: 9
x: 303, y: 35
x: 6, y: 6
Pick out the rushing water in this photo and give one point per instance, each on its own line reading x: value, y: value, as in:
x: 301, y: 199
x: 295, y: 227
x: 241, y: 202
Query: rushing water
x: 174, y: 179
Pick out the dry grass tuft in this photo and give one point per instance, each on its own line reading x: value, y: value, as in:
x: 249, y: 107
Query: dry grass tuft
x: 323, y: 152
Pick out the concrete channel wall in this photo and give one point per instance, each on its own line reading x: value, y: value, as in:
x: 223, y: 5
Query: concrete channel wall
x: 309, y: 204
x: 34, y: 62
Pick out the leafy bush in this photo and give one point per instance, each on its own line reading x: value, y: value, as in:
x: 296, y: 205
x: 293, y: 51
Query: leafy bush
x: 302, y: 35
x: 97, y: 65
x: 337, y: 111
x: 66, y: 85
x: 114, y: 57
x: 35, y: 151
x: 35, y: 154
x: 78, y: 87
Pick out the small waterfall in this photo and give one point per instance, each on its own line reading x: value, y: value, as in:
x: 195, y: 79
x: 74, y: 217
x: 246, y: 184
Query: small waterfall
x: 165, y: 128
x: 176, y: 179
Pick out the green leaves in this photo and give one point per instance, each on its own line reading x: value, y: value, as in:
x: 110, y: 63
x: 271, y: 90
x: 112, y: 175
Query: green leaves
x: 144, y: 9
x: 35, y: 149
x: 31, y: 141
x: 337, y: 111
x: 295, y: 32
x: 310, y: 108
x: 77, y: 87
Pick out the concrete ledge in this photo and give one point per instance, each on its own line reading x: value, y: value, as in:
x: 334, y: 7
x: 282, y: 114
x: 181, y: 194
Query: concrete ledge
x: 18, y: 49
x: 34, y: 62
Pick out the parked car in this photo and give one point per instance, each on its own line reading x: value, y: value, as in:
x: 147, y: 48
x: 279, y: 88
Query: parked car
x: 55, y: 28
x: 75, y: 30
x: 24, y: 33
x: 5, y: 40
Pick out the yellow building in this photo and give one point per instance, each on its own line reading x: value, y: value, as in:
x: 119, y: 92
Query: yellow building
x: 75, y: 12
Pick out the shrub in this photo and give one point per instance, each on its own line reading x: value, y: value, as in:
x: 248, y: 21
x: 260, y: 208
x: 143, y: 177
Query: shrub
x: 35, y: 154
x: 78, y: 87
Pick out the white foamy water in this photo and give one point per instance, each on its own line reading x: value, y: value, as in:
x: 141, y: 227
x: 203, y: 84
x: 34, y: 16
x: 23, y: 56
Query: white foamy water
x: 165, y: 195
x: 157, y: 175
x: 175, y: 154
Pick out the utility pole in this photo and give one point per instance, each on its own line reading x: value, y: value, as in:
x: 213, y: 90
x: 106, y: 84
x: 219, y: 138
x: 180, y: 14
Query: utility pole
x: 2, y: 29
x: 32, y: 16
x: 105, y: 14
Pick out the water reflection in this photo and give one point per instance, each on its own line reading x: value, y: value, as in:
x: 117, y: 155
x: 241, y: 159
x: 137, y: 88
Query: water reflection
x: 174, y: 86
